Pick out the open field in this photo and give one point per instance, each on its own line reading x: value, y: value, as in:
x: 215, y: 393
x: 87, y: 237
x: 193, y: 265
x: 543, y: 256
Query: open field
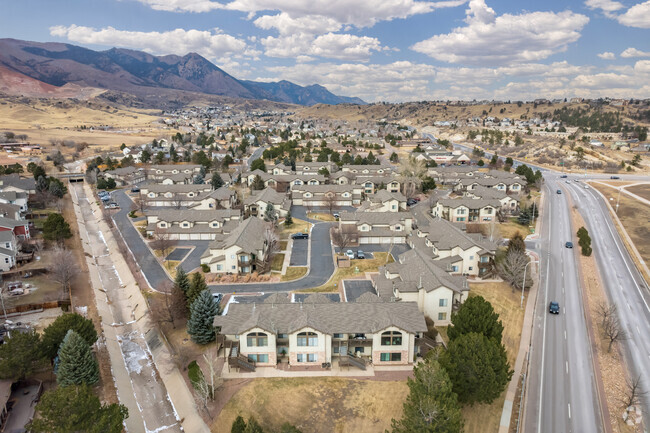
x: 367, y: 265
x: 511, y: 228
x: 634, y: 217
x: 484, y: 418
x: 642, y: 191
x: 317, y: 405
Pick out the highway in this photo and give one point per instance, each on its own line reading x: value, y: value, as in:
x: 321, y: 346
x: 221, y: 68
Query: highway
x: 561, y: 394
x: 622, y: 283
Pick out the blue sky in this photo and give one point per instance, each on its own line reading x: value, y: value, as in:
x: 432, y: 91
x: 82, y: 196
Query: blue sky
x: 379, y: 50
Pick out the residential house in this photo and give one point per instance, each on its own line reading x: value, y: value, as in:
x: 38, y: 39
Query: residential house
x: 220, y: 198
x: 240, y: 252
x: 466, y: 210
x: 258, y: 201
x: 326, y: 195
x: 377, y: 227
x: 509, y: 203
x: 184, y: 224
x: 182, y: 195
x: 19, y: 227
x: 384, y: 201
x: 173, y: 174
x: 13, y: 182
x: 8, y: 248
x: 318, y: 333
x: 12, y: 211
x: 367, y: 170
x: 509, y: 185
x: 415, y: 278
x: 314, y: 167
x: 126, y: 175
x: 20, y: 199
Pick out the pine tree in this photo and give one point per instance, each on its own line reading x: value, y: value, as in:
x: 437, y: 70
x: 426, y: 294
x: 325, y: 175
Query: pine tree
x: 54, y: 334
x: 431, y: 405
x: 20, y: 355
x: 202, y: 313
x: 516, y: 243
x: 182, y: 281
x: 196, y: 287
x: 238, y: 425
x: 216, y: 181
x: 76, y: 365
x: 253, y: 426
x: 476, y: 315
x: 478, y: 368
x: 288, y: 221
x: 269, y: 213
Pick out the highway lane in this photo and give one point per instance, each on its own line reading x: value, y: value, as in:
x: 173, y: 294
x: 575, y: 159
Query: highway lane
x: 622, y: 282
x: 561, y: 393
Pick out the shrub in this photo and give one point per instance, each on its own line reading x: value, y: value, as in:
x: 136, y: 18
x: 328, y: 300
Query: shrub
x: 205, y: 268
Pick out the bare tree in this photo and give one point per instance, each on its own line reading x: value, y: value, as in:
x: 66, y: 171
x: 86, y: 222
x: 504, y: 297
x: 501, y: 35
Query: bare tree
x: 162, y: 241
x: 511, y: 269
x: 330, y: 201
x: 344, y: 235
x: 177, y: 201
x: 63, y: 268
x: 211, y: 358
x: 140, y: 203
x: 613, y: 330
x: 493, y: 232
x: 606, y: 311
x: 202, y: 390
x: 634, y: 392
x: 171, y: 307
x: 411, y: 172
x: 270, y: 247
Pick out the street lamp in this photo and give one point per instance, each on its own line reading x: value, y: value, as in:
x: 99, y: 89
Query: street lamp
x: 523, y: 284
x: 617, y: 198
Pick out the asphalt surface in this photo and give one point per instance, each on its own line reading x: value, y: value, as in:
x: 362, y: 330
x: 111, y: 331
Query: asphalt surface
x: 355, y: 288
x: 623, y: 284
x: 299, y: 251
x: 152, y: 270
x: 562, y: 395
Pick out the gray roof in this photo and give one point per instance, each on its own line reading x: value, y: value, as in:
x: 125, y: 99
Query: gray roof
x: 470, y: 203
x: 267, y: 195
x: 176, y: 188
x: 488, y: 193
x: 383, y: 218
x: 329, y: 318
x: 12, y: 195
x: 6, y: 235
x: 10, y: 222
x: 207, y: 215
x: 446, y: 236
x: 325, y: 188
x: 249, y: 236
x: 24, y: 183
x: 385, y: 195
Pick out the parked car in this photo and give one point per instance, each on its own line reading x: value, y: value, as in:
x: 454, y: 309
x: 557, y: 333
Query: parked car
x: 586, y: 186
x: 300, y: 236
x: 135, y: 188
x: 564, y: 176
x: 411, y: 202
x: 559, y: 191
x: 361, y: 254
x: 217, y: 297
x: 105, y: 198
x: 336, y: 215
x: 554, y: 308
x: 112, y: 205
x: 350, y: 254
x: 569, y: 245
x: 614, y: 177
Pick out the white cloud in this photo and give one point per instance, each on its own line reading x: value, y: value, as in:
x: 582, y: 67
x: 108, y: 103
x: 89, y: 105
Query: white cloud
x: 636, y: 16
x: 213, y: 45
x: 607, y: 6
x: 331, y: 45
x: 506, y: 39
x: 633, y: 52
x: 607, y: 55
x: 182, y: 5
x: 309, y: 24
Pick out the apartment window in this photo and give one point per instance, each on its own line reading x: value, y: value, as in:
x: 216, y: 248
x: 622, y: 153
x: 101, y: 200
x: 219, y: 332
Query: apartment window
x: 185, y: 225
x: 485, y: 259
x: 398, y: 228
x: 219, y: 267
x: 488, y: 211
x: 471, y: 257
x: 335, y: 349
x: 393, y: 207
x: 339, y: 336
x: 233, y: 267
x: 6, y: 259
x: 391, y: 338
x: 460, y: 219
x: 443, y: 302
x: 258, y: 357
x: 442, y: 316
x: 460, y: 212
x: 471, y: 268
x: 307, y: 339
x: 306, y: 357
x: 257, y: 339
x: 283, y: 336
x: 387, y: 357
x: 7, y: 245
x: 358, y: 350
x: 163, y: 225
x: 454, y: 268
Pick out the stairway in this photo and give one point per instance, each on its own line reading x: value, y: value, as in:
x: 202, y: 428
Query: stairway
x: 353, y: 360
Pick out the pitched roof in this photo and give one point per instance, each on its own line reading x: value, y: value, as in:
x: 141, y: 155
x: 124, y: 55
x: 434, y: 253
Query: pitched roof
x: 249, y: 236
x: 207, y: 215
x: 329, y: 318
x: 267, y: 195
x: 24, y: 183
x: 470, y: 203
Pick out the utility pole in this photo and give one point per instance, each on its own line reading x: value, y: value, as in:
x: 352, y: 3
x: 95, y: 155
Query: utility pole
x: 617, y: 199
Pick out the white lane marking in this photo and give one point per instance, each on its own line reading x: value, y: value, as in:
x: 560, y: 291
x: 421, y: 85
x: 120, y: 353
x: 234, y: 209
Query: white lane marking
x: 569, y: 404
x: 563, y: 290
x: 548, y: 269
x: 637, y: 329
x: 567, y: 367
x: 565, y: 334
x: 628, y: 306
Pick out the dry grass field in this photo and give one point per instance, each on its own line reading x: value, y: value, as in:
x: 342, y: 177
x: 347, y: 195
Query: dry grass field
x: 366, y: 265
x: 642, y: 191
x: 317, y: 405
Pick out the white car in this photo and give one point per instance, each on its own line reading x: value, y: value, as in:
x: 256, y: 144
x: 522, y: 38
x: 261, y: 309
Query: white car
x: 350, y: 254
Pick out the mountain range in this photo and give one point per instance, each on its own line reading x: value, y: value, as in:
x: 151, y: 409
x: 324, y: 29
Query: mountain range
x: 139, y: 73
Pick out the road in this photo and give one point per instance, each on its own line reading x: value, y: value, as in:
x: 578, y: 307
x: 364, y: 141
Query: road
x: 562, y: 396
x: 622, y: 282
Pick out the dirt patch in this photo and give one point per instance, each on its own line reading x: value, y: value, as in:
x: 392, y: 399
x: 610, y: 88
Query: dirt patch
x: 642, y: 191
x: 317, y: 405
x: 612, y: 367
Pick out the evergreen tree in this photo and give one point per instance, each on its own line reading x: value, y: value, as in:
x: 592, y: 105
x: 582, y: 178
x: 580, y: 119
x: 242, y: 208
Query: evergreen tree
x: 269, y: 213
x: 516, y: 243
x: 196, y: 287
x: 480, y: 163
x: 238, y: 425
x: 216, y: 181
x: 54, y: 334
x: 202, y: 313
x: 198, y: 179
x: 145, y: 156
x: 477, y: 367
x: 431, y: 406
x: 20, y: 355
x: 73, y: 409
x: 258, y: 164
x: 253, y: 426
x: 476, y: 315
x: 56, y: 228
x: 182, y: 281
x: 288, y: 221
x: 76, y: 365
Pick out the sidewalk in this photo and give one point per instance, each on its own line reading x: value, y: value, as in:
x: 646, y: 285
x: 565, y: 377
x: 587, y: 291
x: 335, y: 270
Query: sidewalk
x: 145, y: 357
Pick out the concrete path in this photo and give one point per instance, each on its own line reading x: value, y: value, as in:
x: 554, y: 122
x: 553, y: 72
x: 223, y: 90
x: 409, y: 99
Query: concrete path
x: 141, y: 363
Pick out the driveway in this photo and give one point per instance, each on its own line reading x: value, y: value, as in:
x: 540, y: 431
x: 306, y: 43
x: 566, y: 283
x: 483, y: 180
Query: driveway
x: 379, y: 248
x: 299, y: 252
x: 193, y: 260
x: 152, y: 270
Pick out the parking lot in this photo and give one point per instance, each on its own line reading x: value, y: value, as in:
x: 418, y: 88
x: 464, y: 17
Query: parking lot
x: 299, y: 252
x: 355, y: 288
x: 178, y: 255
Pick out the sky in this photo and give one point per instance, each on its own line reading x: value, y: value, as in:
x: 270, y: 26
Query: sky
x: 378, y: 50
